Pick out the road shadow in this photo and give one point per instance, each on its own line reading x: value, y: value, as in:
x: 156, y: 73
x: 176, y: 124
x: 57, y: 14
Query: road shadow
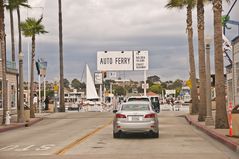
x: 136, y: 136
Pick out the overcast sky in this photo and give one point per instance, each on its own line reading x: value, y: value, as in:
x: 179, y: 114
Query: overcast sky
x: 97, y: 25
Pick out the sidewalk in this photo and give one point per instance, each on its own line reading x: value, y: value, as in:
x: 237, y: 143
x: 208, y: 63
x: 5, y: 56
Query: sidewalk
x: 15, y: 125
x: 220, y: 135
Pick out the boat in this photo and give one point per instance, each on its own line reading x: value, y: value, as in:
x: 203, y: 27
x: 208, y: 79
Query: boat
x: 92, y: 102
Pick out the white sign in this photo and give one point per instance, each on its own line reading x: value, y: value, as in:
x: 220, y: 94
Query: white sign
x: 143, y: 86
x: 98, y: 78
x: 114, y: 60
x: 111, y: 75
x: 168, y: 92
x: 141, y: 60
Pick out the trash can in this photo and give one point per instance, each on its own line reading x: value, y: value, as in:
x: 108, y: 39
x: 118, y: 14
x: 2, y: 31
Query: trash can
x: 26, y: 113
x: 235, y: 121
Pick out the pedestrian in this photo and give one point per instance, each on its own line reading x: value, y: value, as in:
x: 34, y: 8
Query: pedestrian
x: 46, y: 101
x: 35, y: 101
x: 172, y: 104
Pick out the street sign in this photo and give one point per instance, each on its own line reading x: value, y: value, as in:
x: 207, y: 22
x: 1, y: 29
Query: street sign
x: 56, y: 88
x: 143, y: 86
x: 111, y: 75
x: 114, y: 60
x: 189, y: 83
x: 141, y: 60
x: 98, y: 78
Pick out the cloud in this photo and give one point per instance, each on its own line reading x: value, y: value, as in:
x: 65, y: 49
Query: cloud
x: 93, y: 25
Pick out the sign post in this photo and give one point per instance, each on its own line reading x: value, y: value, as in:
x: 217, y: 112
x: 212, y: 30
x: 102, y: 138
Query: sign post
x: 99, y: 80
x: 56, y: 89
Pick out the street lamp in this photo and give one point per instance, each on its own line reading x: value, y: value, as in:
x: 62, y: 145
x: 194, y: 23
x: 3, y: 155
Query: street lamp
x: 21, y: 96
x: 208, y: 119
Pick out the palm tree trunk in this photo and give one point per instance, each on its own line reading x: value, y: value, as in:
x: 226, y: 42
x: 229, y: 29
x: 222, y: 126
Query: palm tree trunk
x: 62, y: 102
x: 192, y: 61
x: 3, y: 57
x: 32, y: 111
x: 19, y: 31
x: 20, y: 97
x: 202, y: 68
x: 12, y: 35
x: 221, y: 114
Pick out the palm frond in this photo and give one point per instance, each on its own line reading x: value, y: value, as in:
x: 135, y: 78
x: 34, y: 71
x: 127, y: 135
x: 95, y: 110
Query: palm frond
x: 181, y: 3
x: 31, y: 27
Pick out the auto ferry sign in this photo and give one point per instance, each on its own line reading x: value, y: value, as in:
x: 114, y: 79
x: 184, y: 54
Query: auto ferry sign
x: 122, y: 60
x: 114, y: 60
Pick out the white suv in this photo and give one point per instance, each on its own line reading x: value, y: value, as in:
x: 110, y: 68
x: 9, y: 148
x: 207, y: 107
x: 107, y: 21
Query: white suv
x: 138, y: 98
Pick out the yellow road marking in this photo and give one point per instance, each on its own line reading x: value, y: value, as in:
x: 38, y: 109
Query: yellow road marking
x: 80, y: 140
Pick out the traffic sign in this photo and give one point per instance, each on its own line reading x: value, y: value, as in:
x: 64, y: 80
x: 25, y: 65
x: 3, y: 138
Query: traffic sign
x: 56, y: 88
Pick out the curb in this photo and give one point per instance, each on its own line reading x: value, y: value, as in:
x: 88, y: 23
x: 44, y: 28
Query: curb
x: 33, y: 122
x: 20, y: 125
x: 221, y: 138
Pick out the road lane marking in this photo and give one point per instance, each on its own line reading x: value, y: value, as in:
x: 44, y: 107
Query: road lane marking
x: 21, y: 148
x: 80, y: 140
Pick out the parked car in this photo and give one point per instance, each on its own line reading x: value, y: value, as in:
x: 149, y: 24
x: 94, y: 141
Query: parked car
x: 135, y: 117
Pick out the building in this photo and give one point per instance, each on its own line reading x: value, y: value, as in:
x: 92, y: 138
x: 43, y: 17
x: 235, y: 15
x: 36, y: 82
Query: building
x: 12, y: 75
x: 229, y: 84
x: 235, y: 68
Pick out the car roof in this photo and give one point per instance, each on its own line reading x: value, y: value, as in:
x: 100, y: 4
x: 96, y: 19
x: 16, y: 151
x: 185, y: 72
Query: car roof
x: 136, y: 102
x: 138, y: 97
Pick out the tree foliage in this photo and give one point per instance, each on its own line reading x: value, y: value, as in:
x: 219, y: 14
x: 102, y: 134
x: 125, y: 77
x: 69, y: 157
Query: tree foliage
x: 66, y: 83
x: 75, y: 83
x: 156, y: 88
x: 119, y: 90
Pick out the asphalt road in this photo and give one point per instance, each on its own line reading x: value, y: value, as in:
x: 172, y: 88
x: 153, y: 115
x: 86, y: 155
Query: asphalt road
x: 89, y: 135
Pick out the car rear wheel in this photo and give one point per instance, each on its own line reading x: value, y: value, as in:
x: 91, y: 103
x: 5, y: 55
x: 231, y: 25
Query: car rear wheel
x: 155, y: 135
x: 116, y: 135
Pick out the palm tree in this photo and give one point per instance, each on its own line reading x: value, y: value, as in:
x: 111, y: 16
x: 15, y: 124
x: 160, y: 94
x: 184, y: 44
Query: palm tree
x: 62, y: 102
x: 3, y: 57
x: 30, y: 28
x: 11, y: 6
x: 202, y: 66
x: 15, y: 5
x: 221, y: 114
x: 190, y: 4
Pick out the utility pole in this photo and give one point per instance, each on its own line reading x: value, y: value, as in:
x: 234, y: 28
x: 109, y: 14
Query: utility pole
x: 21, y: 96
x: 208, y: 119
x: 62, y: 102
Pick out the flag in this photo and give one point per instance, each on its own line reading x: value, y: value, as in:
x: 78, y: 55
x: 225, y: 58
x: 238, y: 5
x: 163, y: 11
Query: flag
x: 38, y: 67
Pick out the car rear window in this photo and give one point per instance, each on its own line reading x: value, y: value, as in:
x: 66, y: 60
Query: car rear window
x: 135, y: 107
x: 138, y: 99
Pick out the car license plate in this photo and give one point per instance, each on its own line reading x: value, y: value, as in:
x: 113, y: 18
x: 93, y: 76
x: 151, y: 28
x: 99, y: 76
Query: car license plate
x: 135, y: 118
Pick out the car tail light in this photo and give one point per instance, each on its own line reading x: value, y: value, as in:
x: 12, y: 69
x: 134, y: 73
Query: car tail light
x: 120, y: 116
x: 150, y: 115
